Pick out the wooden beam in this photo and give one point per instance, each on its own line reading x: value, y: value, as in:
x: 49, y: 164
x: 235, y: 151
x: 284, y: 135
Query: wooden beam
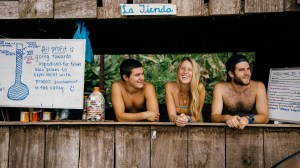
x: 255, y: 6
x: 36, y: 9
x: 102, y: 72
x: 292, y: 5
x: 110, y: 9
x: 75, y: 9
x: 222, y: 7
x: 189, y: 8
x: 9, y: 10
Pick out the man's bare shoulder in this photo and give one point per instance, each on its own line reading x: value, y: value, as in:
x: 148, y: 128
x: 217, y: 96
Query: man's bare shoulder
x: 221, y: 85
x: 148, y: 85
x: 118, y: 84
x: 257, y: 85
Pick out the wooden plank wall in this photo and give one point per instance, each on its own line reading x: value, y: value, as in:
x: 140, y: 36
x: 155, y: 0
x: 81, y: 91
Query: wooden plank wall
x: 26, y: 146
x: 105, y: 9
x: 62, y: 146
x: 109, y: 146
x: 4, y: 146
x: 97, y: 146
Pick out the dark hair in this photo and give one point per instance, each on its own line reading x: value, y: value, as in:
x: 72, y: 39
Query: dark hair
x: 127, y: 65
x: 232, y: 61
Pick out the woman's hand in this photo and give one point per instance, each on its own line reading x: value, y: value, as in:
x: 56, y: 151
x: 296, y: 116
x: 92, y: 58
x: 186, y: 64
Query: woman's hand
x: 181, y: 120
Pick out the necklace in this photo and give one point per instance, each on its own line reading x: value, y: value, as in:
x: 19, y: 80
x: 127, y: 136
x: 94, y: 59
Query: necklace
x: 185, y: 98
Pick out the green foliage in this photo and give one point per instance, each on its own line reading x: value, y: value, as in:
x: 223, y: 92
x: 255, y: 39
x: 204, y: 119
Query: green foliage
x: 161, y: 68
x: 91, y: 75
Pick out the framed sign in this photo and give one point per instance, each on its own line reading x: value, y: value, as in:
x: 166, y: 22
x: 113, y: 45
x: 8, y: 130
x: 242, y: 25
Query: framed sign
x: 42, y: 73
x: 284, y: 94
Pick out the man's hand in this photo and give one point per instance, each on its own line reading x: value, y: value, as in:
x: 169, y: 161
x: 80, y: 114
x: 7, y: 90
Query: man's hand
x: 237, y: 122
x: 233, y: 121
x: 243, y: 122
x: 152, y: 116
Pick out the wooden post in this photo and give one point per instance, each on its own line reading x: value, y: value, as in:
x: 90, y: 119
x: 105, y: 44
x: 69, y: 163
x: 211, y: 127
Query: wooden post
x: 101, y: 72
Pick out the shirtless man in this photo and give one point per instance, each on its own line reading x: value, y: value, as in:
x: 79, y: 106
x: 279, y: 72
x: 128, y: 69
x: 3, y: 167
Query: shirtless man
x: 239, y: 101
x: 132, y: 98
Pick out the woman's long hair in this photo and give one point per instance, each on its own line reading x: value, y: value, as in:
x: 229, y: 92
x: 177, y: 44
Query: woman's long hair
x: 194, y: 93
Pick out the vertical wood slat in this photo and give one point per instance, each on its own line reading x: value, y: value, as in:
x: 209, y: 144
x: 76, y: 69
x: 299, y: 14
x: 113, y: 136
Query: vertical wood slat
x: 4, y: 146
x: 169, y: 147
x: 244, y: 148
x: 258, y: 6
x: 221, y: 7
x: 62, y: 146
x: 206, y: 147
x: 96, y: 146
x: 291, y: 5
x: 279, y: 143
x: 189, y: 8
x: 27, y: 146
x: 132, y: 146
x: 110, y: 9
x: 35, y: 9
x: 75, y: 9
x: 9, y: 10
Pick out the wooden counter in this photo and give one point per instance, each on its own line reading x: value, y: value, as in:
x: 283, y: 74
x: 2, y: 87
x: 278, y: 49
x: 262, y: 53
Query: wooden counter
x: 144, y: 144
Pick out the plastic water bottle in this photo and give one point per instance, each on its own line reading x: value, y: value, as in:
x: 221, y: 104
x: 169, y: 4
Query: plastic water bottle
x: 96, y: 106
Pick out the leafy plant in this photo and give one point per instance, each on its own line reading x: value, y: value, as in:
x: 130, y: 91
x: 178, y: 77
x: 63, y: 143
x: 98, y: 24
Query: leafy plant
x: 161, y: 68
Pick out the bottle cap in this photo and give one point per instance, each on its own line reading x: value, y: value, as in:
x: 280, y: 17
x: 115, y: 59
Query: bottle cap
x: 96, y: 89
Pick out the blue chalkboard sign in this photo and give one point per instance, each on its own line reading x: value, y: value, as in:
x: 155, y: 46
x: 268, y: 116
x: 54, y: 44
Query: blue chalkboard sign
x: 42, y: 73
x: 284, y: 94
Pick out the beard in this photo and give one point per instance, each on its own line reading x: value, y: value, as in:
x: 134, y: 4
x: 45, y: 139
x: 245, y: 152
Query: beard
x: 240, y: 82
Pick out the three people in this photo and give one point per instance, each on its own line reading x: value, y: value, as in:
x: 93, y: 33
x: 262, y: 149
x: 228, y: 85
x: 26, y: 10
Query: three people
x: 185, y: 97
x: 132, y: 98
x: 237, y: 102
x: 240, y: 100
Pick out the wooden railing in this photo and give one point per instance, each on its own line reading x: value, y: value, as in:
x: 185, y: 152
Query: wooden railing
x: 103, y: 9
x: 121, y: 145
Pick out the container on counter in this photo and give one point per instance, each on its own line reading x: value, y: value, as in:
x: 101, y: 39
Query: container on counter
x: 96, y: 106
x: 24, y: 116
x: 64, y: 114
x: 47, y: 115
x: 34, y: 116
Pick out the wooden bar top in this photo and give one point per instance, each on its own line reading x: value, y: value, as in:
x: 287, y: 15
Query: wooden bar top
x: 78, y: 122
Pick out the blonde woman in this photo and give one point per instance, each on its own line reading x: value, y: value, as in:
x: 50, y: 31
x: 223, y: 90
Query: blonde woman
x: 185, y: 97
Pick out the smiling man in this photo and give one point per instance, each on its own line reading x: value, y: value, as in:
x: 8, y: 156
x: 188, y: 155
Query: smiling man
x: 134, y: 99
x: 240, y: 100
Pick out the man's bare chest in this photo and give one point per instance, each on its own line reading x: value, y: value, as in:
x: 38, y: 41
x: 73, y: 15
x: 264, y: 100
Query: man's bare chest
x: 239, y: 102
x: 134, y: 103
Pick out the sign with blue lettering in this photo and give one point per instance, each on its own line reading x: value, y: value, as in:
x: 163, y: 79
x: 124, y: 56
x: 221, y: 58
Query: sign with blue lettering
x: 42, y: 73
x: 148, y: 9
x: 284, y: 94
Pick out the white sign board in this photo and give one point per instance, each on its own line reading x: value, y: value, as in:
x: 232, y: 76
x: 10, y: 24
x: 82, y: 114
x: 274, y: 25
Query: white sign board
x: 148, y: 9
x: 42, y: 73
x: 284, y: 94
